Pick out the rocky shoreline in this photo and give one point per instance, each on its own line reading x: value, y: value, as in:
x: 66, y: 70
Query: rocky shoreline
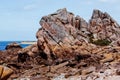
x: 67, y: 48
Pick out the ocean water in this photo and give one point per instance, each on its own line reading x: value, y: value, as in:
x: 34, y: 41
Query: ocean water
x: 3, y: 44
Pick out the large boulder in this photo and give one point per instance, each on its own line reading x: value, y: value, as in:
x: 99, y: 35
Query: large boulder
x: 61, y: 30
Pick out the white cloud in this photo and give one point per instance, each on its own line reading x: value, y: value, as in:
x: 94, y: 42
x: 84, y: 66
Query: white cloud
x: 30, y: 7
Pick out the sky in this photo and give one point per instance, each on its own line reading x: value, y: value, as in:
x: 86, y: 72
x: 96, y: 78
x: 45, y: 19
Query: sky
x: 19, y: 19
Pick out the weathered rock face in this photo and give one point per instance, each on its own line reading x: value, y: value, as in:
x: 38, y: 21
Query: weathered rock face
x: 61, y: 30
x: 62, y: 34
x: 102, y: 26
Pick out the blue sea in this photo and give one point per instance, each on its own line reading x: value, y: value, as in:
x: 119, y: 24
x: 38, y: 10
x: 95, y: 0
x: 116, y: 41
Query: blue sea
x: 3, y: 44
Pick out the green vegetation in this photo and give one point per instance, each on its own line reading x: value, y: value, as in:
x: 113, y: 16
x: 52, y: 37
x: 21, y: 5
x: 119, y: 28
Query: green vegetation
x: 103, y: 42
x: 91, y: 37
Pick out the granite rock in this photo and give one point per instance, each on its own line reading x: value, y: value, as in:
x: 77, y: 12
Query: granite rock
x: 61, y: 31
x: 103, y: 26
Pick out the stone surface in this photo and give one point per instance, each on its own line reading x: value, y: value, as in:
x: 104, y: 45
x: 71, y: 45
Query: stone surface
x: 1, y: 71
x: 87, y: 71
x: 13, y: 46
x: 5, y: 72
x: 113, y: 78
x: 62, y: 30
x: 103, y: 26
x: 30, y: 50
x: 118, y: 71
x: 108, y: 58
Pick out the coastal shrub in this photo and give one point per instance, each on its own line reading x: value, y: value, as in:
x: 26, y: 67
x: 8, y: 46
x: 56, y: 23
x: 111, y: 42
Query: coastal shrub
x: 91, y: 37
x: 103, y: 42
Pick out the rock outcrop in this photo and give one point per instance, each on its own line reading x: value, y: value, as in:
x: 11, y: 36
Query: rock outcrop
x: 103, y: 26
x: 62, y: 33
x: 68, y: 47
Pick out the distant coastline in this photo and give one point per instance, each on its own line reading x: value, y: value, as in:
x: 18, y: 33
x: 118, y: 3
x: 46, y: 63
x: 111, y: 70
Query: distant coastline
x: 28, y: 42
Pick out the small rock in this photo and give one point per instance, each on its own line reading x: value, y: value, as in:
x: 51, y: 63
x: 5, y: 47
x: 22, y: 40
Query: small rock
x: 60, y: 77
x: 54, y: 68
x: 112, y: 78
x: 89, y: 78
x: 118, y: 71
x: 34, y: 49
x: 39, y: 78
x: 109, y: 72
x: 1, y: 71
x: 14, y: 76
x: 30, y: 53
x: 87, y: 71
x: 81, y: 64
x: 6, y: 73
x: 108, y: 58
x: 24, y: 78
x: 100, y: 78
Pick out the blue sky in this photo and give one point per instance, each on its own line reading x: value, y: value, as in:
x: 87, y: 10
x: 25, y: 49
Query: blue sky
x: 19, y: 19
